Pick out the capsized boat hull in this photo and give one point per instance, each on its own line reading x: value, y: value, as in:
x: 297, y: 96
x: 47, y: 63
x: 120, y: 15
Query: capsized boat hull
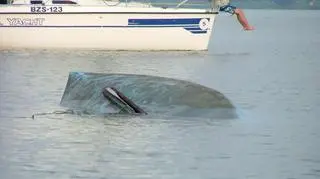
x: 152, y: 95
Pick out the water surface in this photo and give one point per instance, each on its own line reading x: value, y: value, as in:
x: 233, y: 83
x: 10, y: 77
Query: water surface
x: 271, y: 75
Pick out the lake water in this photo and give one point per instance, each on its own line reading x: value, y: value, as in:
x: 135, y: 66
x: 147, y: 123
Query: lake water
x: 271, y: 75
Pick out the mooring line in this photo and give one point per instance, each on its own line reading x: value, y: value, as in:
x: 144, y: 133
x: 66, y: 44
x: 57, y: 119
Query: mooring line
x: 54, y: 112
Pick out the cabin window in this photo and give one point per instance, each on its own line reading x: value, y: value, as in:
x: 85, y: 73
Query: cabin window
x: 64, y: 2
x: 36, y: 2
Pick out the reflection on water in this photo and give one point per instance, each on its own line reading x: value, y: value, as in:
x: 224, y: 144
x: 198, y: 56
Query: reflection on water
x: 272, y: 81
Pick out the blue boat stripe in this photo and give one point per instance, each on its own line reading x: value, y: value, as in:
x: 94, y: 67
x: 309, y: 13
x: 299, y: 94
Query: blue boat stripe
x: 199, y: 32
x: 166, y: 25
x: 95, y: 26
x: 190, y: 24
x: 163, y: 21
x: 192, y: 28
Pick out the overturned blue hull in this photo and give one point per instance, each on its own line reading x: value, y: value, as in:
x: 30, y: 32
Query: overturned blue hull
x: 86, y: 92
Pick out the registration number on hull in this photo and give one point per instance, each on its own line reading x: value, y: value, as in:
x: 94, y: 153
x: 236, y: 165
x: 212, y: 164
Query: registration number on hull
x: 43, y: 9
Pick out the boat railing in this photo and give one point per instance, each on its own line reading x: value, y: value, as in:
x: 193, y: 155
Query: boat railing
x: 176, y: 3
x: 128, y: 3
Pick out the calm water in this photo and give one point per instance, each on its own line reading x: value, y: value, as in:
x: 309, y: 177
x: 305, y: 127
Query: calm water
x: 271, y: 75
